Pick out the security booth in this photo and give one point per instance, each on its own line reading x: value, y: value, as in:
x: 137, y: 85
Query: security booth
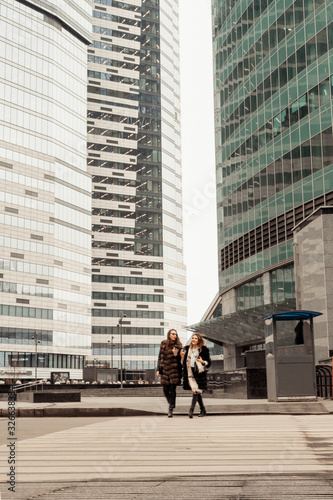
x: 290, y: 357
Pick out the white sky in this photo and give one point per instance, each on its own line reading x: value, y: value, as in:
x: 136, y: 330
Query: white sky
x: 198, y: 157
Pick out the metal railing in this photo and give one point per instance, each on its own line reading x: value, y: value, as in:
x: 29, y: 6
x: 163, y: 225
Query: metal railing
x: 324, y: 381
x: 28, y: 385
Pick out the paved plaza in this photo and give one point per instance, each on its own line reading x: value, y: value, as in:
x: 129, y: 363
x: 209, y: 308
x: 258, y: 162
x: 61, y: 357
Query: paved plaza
x: 151, y: 457
x: 141, y: 457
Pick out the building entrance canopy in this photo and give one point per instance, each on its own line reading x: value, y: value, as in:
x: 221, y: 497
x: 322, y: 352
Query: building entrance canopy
x: 290, y: 315
x: 243, y: 327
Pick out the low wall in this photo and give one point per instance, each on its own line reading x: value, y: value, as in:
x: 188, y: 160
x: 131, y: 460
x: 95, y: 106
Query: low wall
x: 49, y: 396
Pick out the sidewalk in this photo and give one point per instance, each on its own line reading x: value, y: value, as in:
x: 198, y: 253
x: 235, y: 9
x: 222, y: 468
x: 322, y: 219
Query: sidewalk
x: 140, y: 406
x: 243, y: 449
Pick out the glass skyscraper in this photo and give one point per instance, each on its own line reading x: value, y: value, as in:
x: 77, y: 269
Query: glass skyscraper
x: 45, y: 190
x: 134, y: 160
x: 273, y: 72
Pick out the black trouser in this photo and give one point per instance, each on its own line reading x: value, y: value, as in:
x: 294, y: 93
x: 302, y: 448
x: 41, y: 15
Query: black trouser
x: 170, y: 394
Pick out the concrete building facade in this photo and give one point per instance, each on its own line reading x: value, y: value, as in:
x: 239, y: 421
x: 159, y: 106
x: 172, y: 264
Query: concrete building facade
x: 314, y: 268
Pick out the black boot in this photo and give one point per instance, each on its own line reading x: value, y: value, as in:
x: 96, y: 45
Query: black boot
x: 170, y: 411
x: 203, y: 412
x: 194, y: 402
x: 172, y: 400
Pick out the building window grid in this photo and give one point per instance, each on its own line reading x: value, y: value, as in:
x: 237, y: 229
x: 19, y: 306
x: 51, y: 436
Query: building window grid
x: 129, y: 349
x: 137, y: 297
x: 323, y: 40
x: 282, y: 27
x: 242, y: 21
x: 148, y: 155
x: 24, y: 336
x: 44, y: 360
x: 313, y: 100
x: 113, y: 330
x: 283, y: 284
x: 250, y: 295
x: 304, y: 160
x: 270, y: 233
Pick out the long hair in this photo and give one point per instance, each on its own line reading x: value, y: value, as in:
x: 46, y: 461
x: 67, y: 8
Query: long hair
x: 168, y: 340
x: 201, y: 340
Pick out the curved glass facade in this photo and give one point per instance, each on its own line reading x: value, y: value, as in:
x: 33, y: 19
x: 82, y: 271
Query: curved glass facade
x: 274, y: 144
x: 45, y: 193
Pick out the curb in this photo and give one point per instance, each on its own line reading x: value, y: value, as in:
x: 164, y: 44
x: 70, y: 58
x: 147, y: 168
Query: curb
x: 129, y: 412
x: 79, y: 412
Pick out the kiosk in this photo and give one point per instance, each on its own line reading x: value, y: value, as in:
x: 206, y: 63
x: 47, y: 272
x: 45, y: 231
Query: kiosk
x: 290, y: 358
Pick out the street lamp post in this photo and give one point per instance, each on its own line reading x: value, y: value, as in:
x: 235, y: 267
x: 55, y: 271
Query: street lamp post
x: 121, y: 347
x: 111, y: 364
x: 96, y: 363
x: 35, y: 338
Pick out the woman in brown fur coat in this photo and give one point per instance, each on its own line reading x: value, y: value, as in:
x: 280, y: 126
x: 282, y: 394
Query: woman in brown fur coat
x: 169, y: 367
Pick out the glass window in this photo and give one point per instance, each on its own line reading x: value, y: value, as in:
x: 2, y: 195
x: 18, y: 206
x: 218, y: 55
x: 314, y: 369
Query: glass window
x: 289, y: 16
x: 263, y: 5
x: 272, y: 36
x: 316, y: 153
x: 294, y: 112
x: 306, y: 158
x: 301, y: 60
x: 281, y: 28
x: 296, y: 164
x: 256, y: 5
x: 260, y: 94
x: 265, y: 44
x: 330, y: 35
x: 270, y: 180
x: 292, y: 67
x: 327, y: 147
x: 258, y: 52
x: 267, y: 88
x: 322, y: 42
x: 285, y: 119
x: 299, y: 14
x: 303, y: 106
x: 276, y: 125
x: 311, y: 51
x: 313, y: 99
x: 324, y: 91
x: 275, y: 81
x: 308, y: 7
x: 283, y: 74
x: 278, y: 175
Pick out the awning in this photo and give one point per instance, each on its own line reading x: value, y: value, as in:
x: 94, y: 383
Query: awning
x: 293, y: 315
x: 242, y: 327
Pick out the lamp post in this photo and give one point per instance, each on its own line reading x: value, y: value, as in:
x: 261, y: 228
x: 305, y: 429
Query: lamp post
x: 35, y: 338
x: 121, y: 347
x: 96, y: 363
x: 111, y: 364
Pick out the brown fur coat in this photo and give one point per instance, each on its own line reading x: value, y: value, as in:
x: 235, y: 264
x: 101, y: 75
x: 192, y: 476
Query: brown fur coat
x: 169, y: 365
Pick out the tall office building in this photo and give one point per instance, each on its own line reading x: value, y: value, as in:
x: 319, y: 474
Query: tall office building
x: 274, y: 155
x: 134, y: 160
x: 45, y: 197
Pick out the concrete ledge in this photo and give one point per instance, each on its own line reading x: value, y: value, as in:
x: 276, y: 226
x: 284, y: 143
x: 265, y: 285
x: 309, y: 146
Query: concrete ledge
x: 80, y: 412
x: 318, y: 408
x: 49, y: 397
